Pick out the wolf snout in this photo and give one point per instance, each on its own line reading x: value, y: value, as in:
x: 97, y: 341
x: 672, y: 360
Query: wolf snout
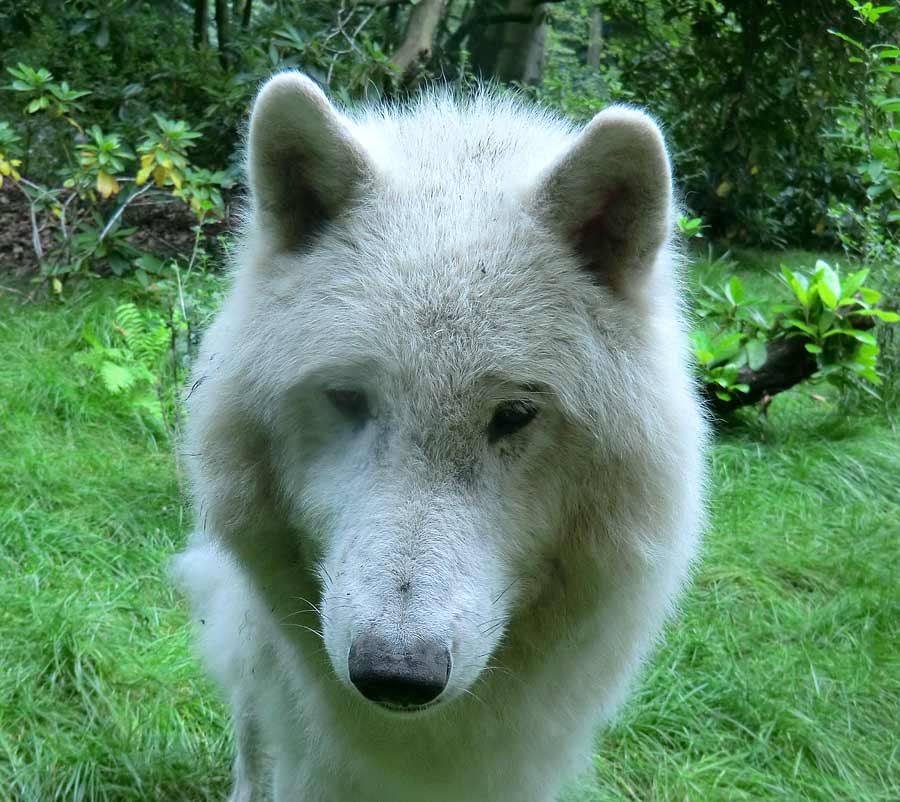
x: 399, y: 677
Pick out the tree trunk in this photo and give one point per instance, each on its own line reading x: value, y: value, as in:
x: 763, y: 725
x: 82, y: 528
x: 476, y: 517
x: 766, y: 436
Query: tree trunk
x: 595, y: 38
x: 418, y: 41
x: 222, y: 31
x: 248, y: 13
x: 787, y: 363
x: 509, y: 45
x: 201, y: 23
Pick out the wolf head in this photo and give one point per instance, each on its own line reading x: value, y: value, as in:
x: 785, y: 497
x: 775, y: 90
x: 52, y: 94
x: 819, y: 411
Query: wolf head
x: 447, y: 366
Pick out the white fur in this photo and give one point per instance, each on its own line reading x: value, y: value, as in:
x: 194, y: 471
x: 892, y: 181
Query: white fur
x: 435, y: 258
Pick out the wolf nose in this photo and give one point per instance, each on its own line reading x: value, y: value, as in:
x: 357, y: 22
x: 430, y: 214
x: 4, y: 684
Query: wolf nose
x: 403, y: 678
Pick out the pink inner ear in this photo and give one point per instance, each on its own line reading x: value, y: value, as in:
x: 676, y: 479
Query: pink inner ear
x: 602, y: 238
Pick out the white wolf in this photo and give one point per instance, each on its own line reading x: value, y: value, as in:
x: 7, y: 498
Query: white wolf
x: 447, y: 456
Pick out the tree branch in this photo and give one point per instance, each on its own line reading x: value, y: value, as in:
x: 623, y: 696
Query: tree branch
x: 787, y: 363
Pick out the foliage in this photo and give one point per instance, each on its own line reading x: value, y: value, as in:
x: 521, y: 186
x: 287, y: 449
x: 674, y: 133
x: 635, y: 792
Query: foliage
x: 745, y: 90
x: 9, y: 149
x: 142, y: 352
x: 102, y: 158
x: 747, y: 131
x: 868, y: 137
x: 691, y: 227
x: 45, y: 94
x: 832, y: 314
x: 85, y: 208
x: 130, y: 370
x: 164, y: 152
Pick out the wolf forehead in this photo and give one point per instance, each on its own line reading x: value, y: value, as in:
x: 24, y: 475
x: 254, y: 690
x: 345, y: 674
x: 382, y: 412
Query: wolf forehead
x: 440, y: 251
x: 461, y: 317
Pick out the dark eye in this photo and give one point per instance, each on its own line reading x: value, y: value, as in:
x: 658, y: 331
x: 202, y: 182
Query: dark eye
x: 352, y: 404
x: 509, y: 418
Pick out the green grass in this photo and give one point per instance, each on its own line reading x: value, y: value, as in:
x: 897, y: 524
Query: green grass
x: 780, y: 681
x: 100, y: 698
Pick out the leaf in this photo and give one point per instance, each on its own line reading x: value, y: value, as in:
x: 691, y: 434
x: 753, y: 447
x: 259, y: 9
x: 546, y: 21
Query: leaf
x: 829, y: 285
x: 813, y: 348
x: 143, y: 175
x: 862, y: 336
x: 150, y: 263
x: 712, y: 293
x: 846, y: 38
x: 825, y: 321
x: 759, y: 319
x: 756, y: 354
x: 798, y: 283
x: 725, y: 344
x: 869, y: 295
x: 804, y: 327
x: 734, y: 291
x: 107, y: 185
x: 853, y: 282
x: 116, y: 378
x: 881, y: 314
x: 37, y: 104
x: 875, y: 169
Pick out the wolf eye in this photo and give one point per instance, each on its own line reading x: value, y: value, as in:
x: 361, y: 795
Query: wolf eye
x: 509, y: 418
x: 352, y: 404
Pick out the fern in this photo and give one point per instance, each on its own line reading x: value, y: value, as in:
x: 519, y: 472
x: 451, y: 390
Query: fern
x: 131, y: 367
x: 146, y: 340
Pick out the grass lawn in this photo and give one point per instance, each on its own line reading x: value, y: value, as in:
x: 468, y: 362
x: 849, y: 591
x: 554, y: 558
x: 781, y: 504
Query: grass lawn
x: 780, y: 681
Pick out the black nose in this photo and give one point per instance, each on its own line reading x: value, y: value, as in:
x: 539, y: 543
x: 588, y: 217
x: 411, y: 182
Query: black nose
x: 399, y: 677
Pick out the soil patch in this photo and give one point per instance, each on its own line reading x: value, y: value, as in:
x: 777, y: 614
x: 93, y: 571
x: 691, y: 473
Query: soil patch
x: 164, y: 229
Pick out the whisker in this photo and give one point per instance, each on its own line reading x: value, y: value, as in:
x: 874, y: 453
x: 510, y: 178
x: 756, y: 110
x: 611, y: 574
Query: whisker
x: 476, y: 697
x: 308, y: 629
x: 507, y: 588
x: 324, y: 570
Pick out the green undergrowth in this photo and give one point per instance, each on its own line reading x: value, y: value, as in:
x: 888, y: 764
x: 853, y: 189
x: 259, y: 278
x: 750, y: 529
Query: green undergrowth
x: 100, y: 698
x: 779, y: 681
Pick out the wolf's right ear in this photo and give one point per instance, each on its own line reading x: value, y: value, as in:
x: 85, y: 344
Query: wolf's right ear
x: 610, y: 196
x: 304, y: 163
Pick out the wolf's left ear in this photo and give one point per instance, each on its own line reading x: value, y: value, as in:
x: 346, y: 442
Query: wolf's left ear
x: 610, y: 196
x: 304, y: 163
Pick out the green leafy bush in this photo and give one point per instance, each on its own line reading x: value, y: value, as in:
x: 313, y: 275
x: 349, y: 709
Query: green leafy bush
x: 833, y: 316
x: 96, y: 186
x: 868, y: 138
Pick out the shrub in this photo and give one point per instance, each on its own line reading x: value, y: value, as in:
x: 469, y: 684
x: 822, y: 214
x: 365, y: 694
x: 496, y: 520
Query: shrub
x: 85, y: 206
x: 821, y: 330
